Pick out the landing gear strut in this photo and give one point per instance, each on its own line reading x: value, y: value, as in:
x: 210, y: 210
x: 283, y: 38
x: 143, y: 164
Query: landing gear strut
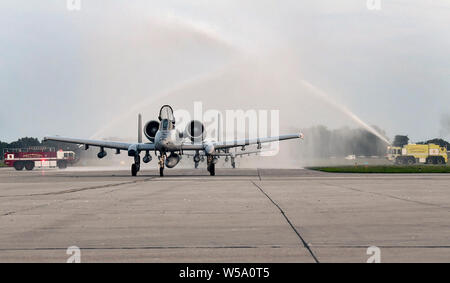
x: 136, y: 166
x: 211, y: 165
x: 162, y: 158
x: 196, y: 159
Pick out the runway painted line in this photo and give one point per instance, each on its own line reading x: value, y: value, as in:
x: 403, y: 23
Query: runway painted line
x: 243, y: 215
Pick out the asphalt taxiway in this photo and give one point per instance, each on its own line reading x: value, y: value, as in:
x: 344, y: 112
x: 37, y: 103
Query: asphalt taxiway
x: 240, y: 215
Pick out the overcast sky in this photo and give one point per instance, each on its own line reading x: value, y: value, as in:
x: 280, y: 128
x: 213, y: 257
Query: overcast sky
x: 70, y: 72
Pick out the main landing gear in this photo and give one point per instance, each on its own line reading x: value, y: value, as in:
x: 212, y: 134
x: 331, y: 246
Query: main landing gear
x: 196, y: 159
x: 136, y: 166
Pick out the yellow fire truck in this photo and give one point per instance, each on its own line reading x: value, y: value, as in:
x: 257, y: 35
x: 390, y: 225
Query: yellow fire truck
x: 418, y: 153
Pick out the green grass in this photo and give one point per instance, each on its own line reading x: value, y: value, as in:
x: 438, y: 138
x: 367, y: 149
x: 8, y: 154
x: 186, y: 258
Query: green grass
x: 2, y: 164
x: 385, y: 169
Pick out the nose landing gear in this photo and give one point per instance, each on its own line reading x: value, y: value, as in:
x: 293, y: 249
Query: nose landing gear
x: 162, y: 158
x: 211, y: 166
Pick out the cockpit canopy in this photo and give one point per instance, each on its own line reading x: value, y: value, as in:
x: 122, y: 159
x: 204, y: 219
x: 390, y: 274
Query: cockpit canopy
x: 166, y: 117
x: 166, y: 112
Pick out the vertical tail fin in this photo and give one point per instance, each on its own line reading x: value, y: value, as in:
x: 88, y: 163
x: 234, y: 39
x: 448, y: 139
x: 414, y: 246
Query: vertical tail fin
x: 219, y: 129
x: 139, y: 128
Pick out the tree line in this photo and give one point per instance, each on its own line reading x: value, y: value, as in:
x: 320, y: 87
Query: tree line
x: 400, y: 141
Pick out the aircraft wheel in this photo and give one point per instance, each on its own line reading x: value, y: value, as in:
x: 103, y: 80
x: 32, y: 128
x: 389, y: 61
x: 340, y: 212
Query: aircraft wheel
x: 161, y: 171
x: 134, y: 169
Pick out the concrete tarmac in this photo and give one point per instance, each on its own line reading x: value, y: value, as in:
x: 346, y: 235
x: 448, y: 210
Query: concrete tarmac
x: 240, y: 215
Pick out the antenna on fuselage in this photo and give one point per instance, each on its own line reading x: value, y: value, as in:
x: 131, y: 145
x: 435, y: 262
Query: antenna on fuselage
x: 139, y: 128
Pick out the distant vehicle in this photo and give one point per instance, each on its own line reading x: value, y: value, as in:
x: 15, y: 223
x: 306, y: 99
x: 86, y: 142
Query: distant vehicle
x: 418, y: 153
x: 350, y: 157
x: 39, y: 157
x: 166, y: 139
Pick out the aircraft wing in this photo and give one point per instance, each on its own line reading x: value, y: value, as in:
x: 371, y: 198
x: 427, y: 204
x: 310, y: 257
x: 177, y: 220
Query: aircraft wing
x: 238, y: 143
x: 100, y: 143
x: 245, y: 142
x: 229, y: 154
x: 242, y: 153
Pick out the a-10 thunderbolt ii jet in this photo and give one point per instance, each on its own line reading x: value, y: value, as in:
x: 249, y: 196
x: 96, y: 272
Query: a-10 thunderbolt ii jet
x: 165, y: 139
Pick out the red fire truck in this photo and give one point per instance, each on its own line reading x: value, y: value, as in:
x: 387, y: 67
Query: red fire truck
x: 39, y: 157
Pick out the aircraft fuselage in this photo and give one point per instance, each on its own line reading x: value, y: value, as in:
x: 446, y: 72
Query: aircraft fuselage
x: 167, y: 141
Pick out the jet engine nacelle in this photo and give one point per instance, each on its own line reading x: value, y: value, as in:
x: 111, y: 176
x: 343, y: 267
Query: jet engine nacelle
x: 195, y: 130
x: 172, y: 160
x: 150, y: 129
